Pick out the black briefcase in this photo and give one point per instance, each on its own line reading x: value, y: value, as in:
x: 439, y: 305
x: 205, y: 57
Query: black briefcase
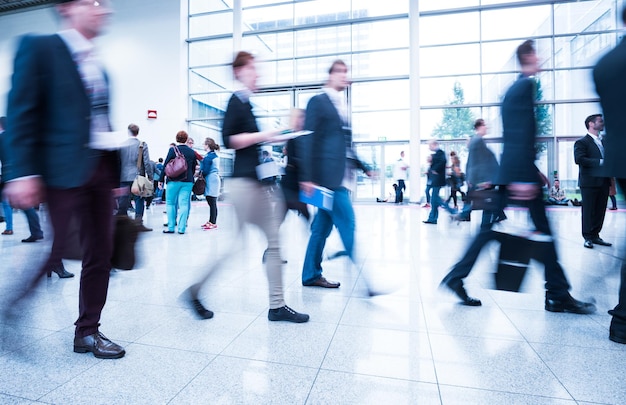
x: 513, y: 261
x: 486, y: 199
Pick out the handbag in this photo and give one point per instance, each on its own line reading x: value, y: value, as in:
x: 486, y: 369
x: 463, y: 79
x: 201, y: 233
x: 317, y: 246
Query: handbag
x: 142, y: 186
x: 199, y: 186
x: 485, y: 199
x: 176, y: 166
x: 125, y: 234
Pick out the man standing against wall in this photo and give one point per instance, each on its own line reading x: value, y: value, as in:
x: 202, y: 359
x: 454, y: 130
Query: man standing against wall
x: 58, y: 109
x: 589, y: 155
x: 400, y: 169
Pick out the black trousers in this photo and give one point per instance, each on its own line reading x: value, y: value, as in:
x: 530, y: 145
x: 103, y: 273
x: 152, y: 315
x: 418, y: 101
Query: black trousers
x: 593, y: 210
x: 556, y: 283
x: 618, y: 323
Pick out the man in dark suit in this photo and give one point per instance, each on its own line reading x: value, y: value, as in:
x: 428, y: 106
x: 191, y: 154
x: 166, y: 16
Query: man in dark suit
x: 482, y: 170
x: 58, y: 109
x: 521, y: 179
x: 437, y: 175
x: 329, y: 162
x: 610, y: 81
x: 588, y: 154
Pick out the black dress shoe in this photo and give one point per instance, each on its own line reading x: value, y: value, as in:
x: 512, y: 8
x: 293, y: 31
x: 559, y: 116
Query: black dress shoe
x: 617, y: 337
x: 459, y: 290
x: 322, y: 282
x: 201, y: 311
x: 601, y: 242
x: 166, y: 231
x: 588, y: 244
x: 570, y: 305
x: 286, y: 314
x: 32, y: 239
x: 430, y: 222
x: 99, y: 345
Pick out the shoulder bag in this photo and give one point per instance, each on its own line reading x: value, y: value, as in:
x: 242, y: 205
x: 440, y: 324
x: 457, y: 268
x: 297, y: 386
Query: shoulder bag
x: 177, y: 166
x: 142, y: 186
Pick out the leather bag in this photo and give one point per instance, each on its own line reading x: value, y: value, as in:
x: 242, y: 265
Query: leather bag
x: 177, y: 166
x: 142, y: 186
x: 199, y: 186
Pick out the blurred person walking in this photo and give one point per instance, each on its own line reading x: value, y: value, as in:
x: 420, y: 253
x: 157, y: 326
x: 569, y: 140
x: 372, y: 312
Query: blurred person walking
x: 610, y: 81
x: 251, y: 199
x: 58, y: 82
x: 329, y: 162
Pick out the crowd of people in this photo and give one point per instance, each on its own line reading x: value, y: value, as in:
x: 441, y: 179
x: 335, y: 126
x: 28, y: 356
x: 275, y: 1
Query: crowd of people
x: 80, y: 172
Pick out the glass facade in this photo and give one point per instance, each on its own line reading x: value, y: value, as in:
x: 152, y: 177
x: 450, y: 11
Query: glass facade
x: 466, y: 63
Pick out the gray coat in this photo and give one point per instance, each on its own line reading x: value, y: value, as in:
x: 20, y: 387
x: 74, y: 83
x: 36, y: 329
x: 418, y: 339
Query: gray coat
x: 482, y: 165
x: 128, y: 155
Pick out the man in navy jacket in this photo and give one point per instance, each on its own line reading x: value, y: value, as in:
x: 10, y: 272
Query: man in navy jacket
x: 57, y: 106
x: 330, y: 163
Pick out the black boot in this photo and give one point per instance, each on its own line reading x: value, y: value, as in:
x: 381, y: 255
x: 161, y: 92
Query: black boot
x: 60, y: 271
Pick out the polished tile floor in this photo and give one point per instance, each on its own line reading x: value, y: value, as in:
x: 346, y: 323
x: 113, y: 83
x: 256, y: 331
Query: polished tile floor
x: 415, y: 345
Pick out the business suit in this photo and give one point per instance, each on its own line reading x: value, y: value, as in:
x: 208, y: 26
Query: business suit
x: 437, y: 175
x: 482, y: 167
x: 49, y: 115
x: 330, y: 154
x: 517, y: 166
x: 610, y: 82
x: 594, y: 189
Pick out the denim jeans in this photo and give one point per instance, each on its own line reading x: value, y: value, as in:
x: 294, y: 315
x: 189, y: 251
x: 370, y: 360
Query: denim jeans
x: 342, y: 216
x: 435, y: 203
x: 8, y: 215
x: 178, y: 199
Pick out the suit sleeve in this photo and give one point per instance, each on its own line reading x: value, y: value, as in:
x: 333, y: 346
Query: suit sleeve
x: 581, y: 155
x: 307, y: 146
x: 22, y: 135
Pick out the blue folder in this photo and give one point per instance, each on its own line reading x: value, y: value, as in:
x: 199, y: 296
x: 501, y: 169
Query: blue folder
x: 321, y: 198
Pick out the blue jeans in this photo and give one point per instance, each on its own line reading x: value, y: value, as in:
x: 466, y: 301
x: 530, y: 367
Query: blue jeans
x: 178, y: 198
x: 342, y: 216
x: 435, y: 203
x: 8, y: 215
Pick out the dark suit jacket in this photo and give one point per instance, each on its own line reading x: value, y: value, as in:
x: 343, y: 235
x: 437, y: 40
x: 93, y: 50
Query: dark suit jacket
x: 482, y: 165
x: 437, y: 171
x: 327, y: 148
x: 610, y: 81
x: 48, y: 116
x: 587, y: 156
x: 517, y: 163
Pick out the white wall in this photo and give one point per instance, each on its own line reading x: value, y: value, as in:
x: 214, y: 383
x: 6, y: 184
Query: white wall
x: 145, y: 53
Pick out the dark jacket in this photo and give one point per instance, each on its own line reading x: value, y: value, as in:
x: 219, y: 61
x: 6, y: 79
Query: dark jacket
x: 482, y: 165
x: 519, y: 127
x: 239, y: 119
x: 329, y: 148
x: 437, y: 170
x: 610, y: 81
x: 48, y: 116
x: 587, y: 156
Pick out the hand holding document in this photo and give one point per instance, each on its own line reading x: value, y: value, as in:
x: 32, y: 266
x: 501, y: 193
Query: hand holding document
x: 319, y: 196
x: 287, y: 135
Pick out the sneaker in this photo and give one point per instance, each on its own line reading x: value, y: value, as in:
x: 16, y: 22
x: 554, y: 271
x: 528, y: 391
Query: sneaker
x: 201, y: 311
x: 286, y: 314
